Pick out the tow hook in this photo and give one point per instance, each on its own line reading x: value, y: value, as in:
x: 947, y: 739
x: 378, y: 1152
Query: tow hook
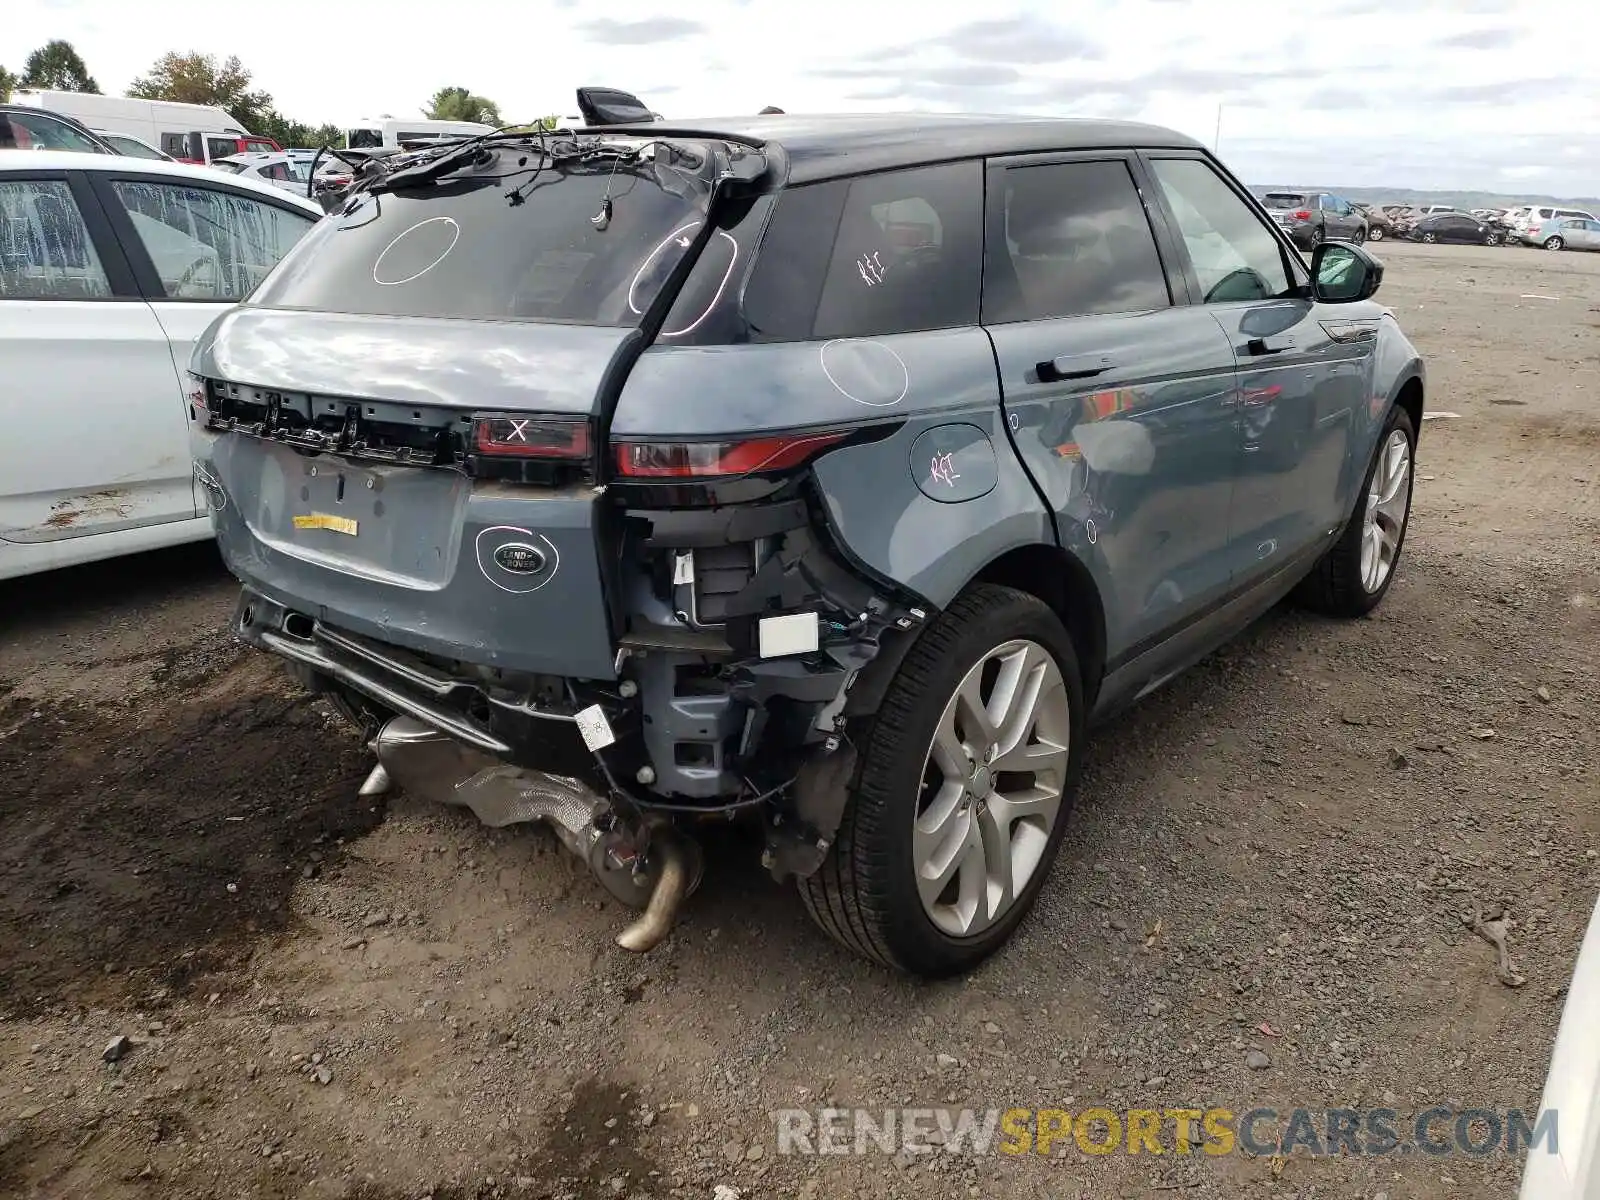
x: 653, y: 867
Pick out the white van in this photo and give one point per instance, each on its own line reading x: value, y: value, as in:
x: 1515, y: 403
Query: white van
x: 195, y: 133
x: 387, y: 133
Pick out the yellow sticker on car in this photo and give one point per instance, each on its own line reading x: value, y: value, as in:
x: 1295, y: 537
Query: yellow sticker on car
x: 326, y: 521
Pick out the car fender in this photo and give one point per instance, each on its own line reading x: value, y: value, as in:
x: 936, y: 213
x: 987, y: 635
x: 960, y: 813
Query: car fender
x: 927, y: 508
x: 1393, y: 365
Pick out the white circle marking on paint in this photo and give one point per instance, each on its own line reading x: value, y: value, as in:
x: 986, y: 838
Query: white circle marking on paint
x: 638, y: 275
x: 864, y: 343
x: 455, y: 236
x: 555, y: 557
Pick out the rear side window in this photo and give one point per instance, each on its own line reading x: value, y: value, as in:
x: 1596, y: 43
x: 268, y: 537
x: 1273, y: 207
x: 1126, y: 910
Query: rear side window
x: 1075, y: 241
x: 207, y: 244
x: 896, y: 252
x: 45, y: 249
x: 221, y: 147
x: 40, y: 131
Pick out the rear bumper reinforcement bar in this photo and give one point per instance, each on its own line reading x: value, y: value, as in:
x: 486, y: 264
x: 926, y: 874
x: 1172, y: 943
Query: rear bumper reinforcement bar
x: 311, y: 655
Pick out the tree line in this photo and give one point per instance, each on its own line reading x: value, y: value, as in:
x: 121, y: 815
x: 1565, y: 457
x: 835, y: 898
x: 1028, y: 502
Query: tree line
x: 195, y: 78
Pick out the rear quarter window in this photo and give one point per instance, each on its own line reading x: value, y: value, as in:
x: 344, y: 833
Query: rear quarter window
x: 895, y: 252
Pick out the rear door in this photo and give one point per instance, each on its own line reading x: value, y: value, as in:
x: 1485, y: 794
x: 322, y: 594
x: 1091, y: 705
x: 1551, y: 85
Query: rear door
x: 92, y: 437
x: 1119, y: 393
x: 196, y: 250
x: 1300, y: 385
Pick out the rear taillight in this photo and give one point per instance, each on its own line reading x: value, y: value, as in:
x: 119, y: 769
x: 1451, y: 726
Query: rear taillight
x: 720, y: 460
x: 1302, y: 214
x: 531, y: 436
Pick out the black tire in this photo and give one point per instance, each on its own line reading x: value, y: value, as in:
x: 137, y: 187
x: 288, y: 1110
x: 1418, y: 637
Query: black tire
x: 865, y: 894
x: 1334, y: 585
x: 1491, y: 238
x: 1317, y: 235
x: 1360, y: 236
x: 1429, y: 237
x: 1375, y: 234
x: 1554, y: 242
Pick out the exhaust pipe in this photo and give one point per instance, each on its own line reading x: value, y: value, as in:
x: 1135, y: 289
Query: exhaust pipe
x: 666, y: 898
x: 428, y: 763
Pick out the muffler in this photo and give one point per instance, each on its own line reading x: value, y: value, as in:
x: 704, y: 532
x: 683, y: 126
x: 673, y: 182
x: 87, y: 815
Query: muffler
x: 653, y: 868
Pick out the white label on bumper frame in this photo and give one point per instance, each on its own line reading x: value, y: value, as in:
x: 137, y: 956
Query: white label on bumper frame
x: 594, y: 728
x: 797, y: 633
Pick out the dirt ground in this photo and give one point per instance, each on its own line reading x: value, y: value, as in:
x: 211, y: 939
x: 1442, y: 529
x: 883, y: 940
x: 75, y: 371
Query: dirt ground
x: 324, y: 999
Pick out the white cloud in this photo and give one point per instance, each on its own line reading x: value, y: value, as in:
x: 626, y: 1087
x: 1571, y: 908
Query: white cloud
x: 1403, y: 92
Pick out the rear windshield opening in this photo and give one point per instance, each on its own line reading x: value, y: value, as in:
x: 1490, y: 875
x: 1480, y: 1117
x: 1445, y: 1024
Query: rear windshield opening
x: 498, y: 244
x: 1285, y: 199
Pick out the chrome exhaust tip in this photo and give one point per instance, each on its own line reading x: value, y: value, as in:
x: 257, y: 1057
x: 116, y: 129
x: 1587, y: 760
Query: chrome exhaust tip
x: 377, y: 783
x: 428, y: 763
x: 666, y: 897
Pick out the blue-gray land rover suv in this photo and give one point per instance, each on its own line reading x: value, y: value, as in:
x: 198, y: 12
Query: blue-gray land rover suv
x: 829, y: 473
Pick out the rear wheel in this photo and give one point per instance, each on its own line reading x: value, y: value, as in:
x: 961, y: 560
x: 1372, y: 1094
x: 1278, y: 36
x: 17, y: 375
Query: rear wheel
x: 1375, y: 234
x: 1554, y: 242
x: 1491, y: 238
x: 1317, y: 235
x: 1360, y: 236
x: 1429, y: 237
x: 1352, y: 578
x: 962, y: 792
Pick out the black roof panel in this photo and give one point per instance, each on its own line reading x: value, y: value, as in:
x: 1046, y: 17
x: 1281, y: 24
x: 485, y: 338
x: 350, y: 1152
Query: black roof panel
x: 822, y: 147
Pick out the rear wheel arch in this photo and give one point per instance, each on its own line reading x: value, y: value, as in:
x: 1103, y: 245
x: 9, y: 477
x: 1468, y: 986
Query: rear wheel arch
x: 1063, y: 582
x: 1048, y: 572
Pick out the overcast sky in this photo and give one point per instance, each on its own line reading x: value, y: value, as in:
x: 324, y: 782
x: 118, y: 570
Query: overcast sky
x: 1493, y: 94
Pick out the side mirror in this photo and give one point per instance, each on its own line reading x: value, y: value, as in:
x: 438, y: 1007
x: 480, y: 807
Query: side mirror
x: 1342, y: 273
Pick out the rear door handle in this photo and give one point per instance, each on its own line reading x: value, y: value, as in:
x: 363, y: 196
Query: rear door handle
x: 1073, y: 366
x: 1269, y: 345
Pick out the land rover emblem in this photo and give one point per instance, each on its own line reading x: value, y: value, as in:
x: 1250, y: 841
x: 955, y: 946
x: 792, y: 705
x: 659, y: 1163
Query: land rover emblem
x: 520, y: 558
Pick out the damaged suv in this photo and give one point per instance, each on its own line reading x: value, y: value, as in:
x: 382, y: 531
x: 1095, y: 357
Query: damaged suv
x: 829, y: 473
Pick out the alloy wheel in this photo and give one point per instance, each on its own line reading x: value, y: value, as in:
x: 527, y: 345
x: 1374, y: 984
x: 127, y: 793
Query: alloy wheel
x: 1384, y: 520
x: 992, y: 787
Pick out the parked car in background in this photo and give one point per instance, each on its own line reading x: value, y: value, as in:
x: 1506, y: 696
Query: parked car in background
x: 94, y: 458
x: 132, y: 147
x: 1456, y: 227
x: 26, y: 128
x: 179, y: 130
x: 279, y: 170
x: 1310, y: 218
x: 1541, y: 225
x: 555, y: 516
x: 1379, y: 223
x: 1566, y: 1166
x: 387, y: 133
x: 1575, y: 233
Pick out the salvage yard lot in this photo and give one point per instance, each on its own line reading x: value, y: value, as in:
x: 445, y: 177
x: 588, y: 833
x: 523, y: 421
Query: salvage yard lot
x: 1272, y: 855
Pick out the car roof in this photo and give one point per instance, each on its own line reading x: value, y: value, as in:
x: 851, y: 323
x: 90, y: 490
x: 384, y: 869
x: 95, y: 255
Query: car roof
x: 72, y: 160
x: 826, y: 146
x: 253, y: 157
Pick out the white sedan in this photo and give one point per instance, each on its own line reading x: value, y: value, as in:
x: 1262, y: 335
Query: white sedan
x: 110, y: 268
x: 1570, y: 1168
x: 284, y: 171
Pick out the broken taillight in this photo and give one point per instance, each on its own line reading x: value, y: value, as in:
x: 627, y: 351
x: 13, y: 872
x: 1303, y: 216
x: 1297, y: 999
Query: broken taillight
x: 1302, y: 214
x: 531, y: 436
x: 723, y: 459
